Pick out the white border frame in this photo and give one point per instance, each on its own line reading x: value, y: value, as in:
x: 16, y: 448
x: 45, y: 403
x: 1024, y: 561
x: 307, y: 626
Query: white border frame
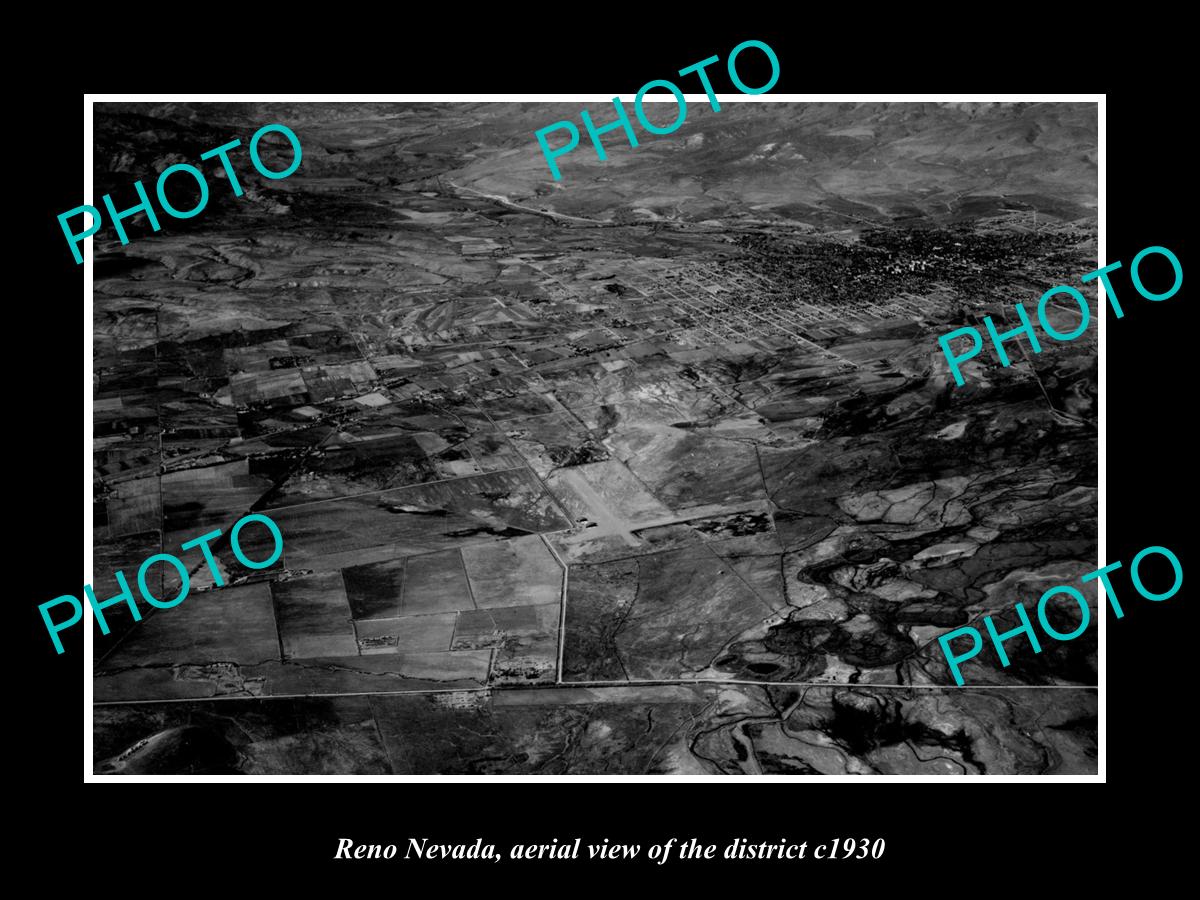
x: 90, y: 100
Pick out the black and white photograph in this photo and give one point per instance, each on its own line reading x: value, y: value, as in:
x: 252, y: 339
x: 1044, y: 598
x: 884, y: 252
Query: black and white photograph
x: 656, y: 468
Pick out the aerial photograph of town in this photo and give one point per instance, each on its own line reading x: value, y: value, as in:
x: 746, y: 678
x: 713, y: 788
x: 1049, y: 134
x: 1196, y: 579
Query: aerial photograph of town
x: 655, y: 469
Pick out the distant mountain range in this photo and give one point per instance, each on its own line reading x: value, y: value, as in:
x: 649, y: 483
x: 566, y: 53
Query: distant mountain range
x: 817, y: 165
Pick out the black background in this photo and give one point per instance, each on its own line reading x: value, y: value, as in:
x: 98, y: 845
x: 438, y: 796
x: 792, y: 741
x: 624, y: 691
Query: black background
x: 285, y: 834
